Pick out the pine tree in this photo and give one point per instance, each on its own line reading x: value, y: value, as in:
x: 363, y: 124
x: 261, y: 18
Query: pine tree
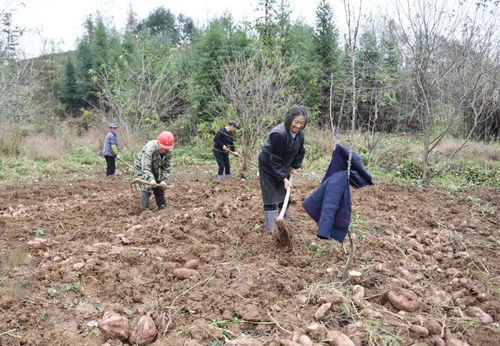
x: 68, y: 93
x: 186, y: 28
x: 369, y: 70
x: 266, y: 25
x: 283, y: 27
x: 162, y: 22
x: 101, y: 45
x: 9, y: 37
x: 132, y: 23
x: 328, y: 56
x: 84, y: 66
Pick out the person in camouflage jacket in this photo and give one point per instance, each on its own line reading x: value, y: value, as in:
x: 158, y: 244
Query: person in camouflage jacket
x: 153, y: 165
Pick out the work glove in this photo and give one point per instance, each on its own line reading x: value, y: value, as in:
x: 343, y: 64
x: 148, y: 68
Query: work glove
x: 224, y: 148
x: 237, y: 154
x: 152, y: 182
x: 163, y: 183
x: 118, y: 156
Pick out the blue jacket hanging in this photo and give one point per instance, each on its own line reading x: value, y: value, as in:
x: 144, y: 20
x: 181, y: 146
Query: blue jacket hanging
x: 330, y: 204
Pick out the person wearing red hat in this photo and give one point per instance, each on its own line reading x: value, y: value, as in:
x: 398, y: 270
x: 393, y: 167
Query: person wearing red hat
x: 153, y: 165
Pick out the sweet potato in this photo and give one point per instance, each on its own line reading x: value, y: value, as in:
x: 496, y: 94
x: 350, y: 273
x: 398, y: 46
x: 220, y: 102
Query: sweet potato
x: 244, y: 342
x: 335, y: 298
x: 184, y: 273
x: 304, y: 340
x: 432, y: 326
x: 317, y: 331
x: 403, y: 299
x: 371, y: 313
x: 482, y: 316
x: 358, y: 293
x: 406, y: 274
x: 296, y: 335
x: 419, y: 331
x: 438, y: 341
x: 354, y: 276
x: 458, y: 294
x: 38, y: 243
x: 134, y: 228
x: 144, y: 332
x: 322, y: 311
x: 356, y: 332
x: 192, y: 264
x: 114, y: 326
x: 285, y: 342
x: 339, y: 339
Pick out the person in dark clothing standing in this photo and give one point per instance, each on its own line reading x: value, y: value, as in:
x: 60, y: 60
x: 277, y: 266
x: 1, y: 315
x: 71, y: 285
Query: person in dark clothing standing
x: 281, y: 154
x: 110, y: 149
x: 224, y: 140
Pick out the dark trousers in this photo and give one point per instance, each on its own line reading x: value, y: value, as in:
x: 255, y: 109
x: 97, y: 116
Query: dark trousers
x: 271, y: 207
x: 222, y: 162
x: 110, y: 162
x: 159, y: 194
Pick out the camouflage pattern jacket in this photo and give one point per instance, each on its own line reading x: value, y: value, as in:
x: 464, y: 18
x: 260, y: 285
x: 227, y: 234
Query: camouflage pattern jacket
x: 150, y: 165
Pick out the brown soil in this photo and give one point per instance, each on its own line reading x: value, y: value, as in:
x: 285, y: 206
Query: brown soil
x: 245, y: 284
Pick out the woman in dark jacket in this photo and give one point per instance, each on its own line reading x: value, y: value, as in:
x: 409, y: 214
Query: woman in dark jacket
x: 224, y: 140
x: 281, y: 154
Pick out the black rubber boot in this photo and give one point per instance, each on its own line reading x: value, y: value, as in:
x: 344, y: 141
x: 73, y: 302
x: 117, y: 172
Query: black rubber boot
x: 144, y: 201
x: 270, y: 220
x: 160, y: 197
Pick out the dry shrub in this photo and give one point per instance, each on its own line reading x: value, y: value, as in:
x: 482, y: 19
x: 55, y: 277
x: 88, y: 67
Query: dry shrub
x: 11, y: 138
x: 472, y: 151
x: 44, y: 147
x: 92, y: 138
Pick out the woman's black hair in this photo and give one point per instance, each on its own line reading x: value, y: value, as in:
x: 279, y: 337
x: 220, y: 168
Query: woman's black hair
x: 294, y: 112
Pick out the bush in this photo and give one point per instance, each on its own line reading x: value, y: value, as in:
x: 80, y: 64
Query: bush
x: 409, y: 169
x: 190, y: 155
x: 184, y: 129
x: 480, y: 174
x: 207, y: 131
x: 10, y: 140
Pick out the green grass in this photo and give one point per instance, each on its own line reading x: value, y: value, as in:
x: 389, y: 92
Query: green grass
x: 191, y: 155
x: 18, y: 169
x: 395, y: 156
x: 399, y: 157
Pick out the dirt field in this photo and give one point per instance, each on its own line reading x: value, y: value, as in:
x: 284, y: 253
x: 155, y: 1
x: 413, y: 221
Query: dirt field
x: 100, y: 255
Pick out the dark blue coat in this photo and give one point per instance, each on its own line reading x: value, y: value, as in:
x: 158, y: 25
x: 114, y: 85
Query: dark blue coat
x: 330, y: 204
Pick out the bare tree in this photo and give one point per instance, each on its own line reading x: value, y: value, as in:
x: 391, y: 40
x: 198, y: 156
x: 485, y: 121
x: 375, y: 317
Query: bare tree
x: 258, y: 91
x: 139, y: 89
x: 352, y: 17
x: 472, y: 87
x: 425, y: 28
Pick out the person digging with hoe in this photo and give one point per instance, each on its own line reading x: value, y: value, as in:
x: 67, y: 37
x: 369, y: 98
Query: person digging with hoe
x: 153, y: 165
x: 223, y: 144
x: 281, y: 155
x: 110, y: 149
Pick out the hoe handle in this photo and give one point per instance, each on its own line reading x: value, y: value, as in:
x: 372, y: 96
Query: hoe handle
x: 285, y: 203
x: 141, y: 181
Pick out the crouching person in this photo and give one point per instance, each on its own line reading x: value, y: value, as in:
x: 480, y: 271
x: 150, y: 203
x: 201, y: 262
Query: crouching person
x: 153, y: 165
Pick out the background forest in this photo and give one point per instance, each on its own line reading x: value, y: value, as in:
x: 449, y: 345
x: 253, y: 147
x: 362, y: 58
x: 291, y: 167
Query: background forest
x: 416, y: 93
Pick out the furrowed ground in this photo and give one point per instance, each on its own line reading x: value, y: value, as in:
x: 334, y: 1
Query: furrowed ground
x: 99, y: 255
